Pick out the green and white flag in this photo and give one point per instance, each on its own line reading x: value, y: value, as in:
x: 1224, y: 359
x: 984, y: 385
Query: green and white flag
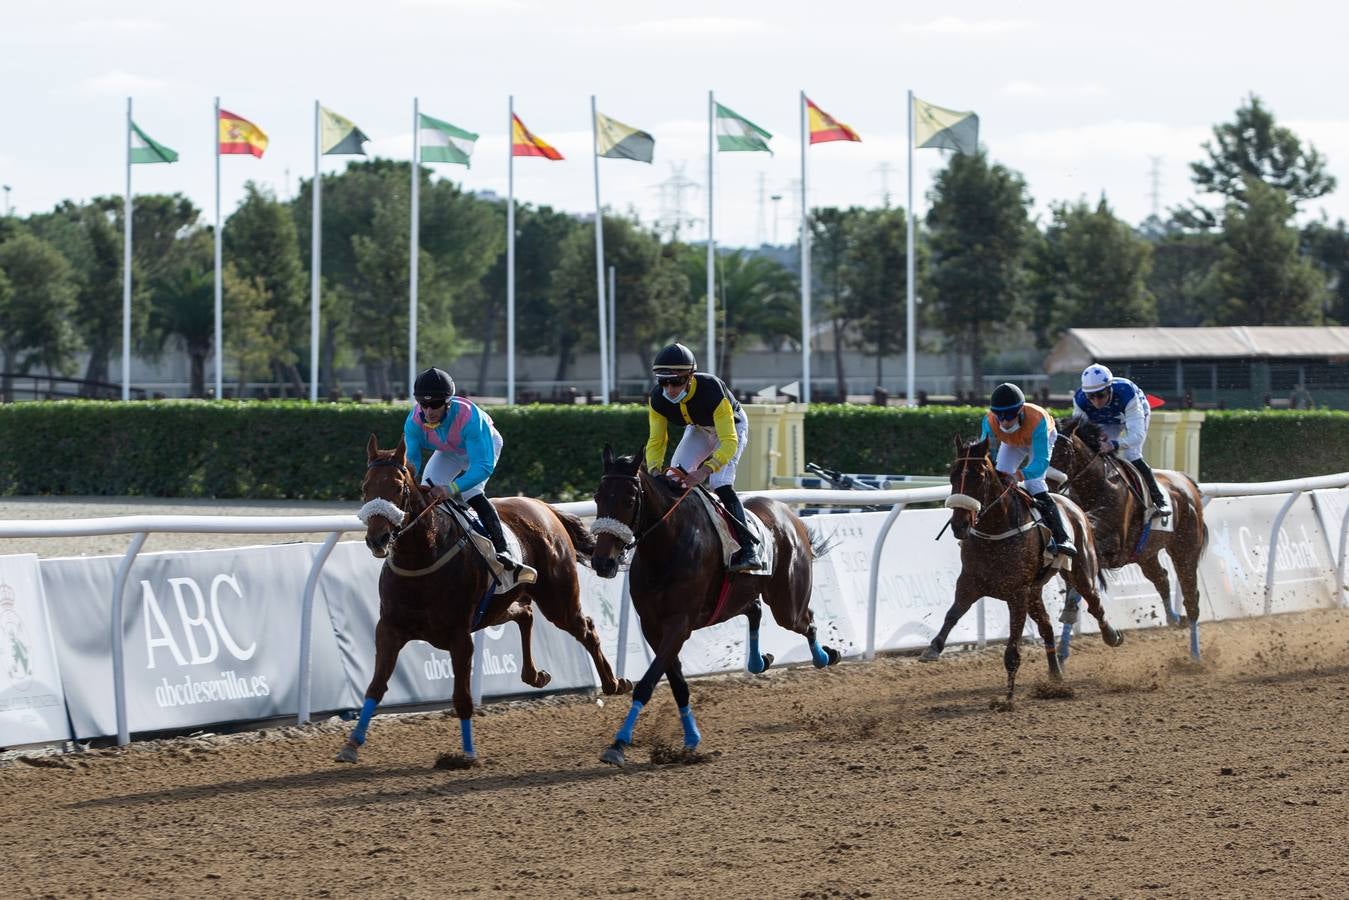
x: 145, y: 149
x: 946, y: 129
x: 444, y: 143
x: 735, y: 132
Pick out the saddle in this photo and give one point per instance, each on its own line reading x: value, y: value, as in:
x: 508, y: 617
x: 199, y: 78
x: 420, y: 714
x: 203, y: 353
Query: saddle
x: 505, y: 581
x: 726, y: 533
x: 1134, y: 480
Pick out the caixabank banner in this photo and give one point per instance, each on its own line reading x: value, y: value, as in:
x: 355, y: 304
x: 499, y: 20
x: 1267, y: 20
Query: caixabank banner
x: 32, y: 701
x: 209, y: 636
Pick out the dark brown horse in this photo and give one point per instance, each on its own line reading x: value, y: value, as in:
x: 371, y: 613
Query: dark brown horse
x: 1002, y: 555
x: 433, y: 584
x: 679, y: 583
x: 1102, y: 485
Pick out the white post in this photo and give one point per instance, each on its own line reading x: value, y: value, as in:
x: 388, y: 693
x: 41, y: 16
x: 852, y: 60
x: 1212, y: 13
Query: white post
x: 710, y: 359
x: 874, y: 579
x: 1341, y: 586
x: 412, y: 265
x: 510, y: 250
x: 126, y: 266
x: 910, y: 343
x: 599, y: 253
x: 613, y: 334
x: 805, y: 258
x: 1274, y: 548
x: 219, y: 242
x: 315, y: 262
x: 118, y: 638
x: 307, y: 623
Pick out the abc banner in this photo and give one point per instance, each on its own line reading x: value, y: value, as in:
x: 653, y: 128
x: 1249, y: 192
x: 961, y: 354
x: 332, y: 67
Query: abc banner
x: 32, y: 703
x: 210, y: 636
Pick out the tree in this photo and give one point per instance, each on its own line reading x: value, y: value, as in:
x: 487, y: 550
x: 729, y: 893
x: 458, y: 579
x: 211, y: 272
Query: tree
x: 1254, y: 147
x: 978, y: 230
x: 758, y: 299
x: 184, y: 303
x: 1090, y: 271
x: 35, y: 316
x: 829, y: 257
x: 1179, y: 280
x: 1261, y: 277
x: 877, y: 277
x: 1328, y: 247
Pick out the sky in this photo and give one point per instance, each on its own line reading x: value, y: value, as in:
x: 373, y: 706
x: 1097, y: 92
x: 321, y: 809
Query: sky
x: 1081, y: 99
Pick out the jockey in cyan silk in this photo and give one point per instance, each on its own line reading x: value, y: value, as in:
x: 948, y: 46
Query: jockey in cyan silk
x: 716, y: 431
x: 466, y: 448
x: 1122, y: 411
x: 1025, y: 435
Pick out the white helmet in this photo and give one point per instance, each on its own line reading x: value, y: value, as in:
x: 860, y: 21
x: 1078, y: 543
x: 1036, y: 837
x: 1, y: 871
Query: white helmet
x: 1095, y: 377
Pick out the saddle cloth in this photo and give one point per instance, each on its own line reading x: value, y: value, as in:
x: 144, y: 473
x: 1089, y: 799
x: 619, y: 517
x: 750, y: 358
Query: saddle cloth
x: 729, y: 544
x: 1047, y: 559
x: 1134, y: 479
x: 468, y: 520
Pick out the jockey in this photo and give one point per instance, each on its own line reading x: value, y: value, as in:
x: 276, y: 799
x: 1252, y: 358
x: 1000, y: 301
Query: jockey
x: 716, y: 431
x: 1122, y: 411
x: 1025, y: 435
x: 467, y: 447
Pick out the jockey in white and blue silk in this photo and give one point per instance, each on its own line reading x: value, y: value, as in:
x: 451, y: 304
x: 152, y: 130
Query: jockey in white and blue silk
x: 1122, y: 411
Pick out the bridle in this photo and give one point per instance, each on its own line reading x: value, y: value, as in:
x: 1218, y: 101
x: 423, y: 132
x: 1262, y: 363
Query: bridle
x: 1097, y: 456
x: 626, y: 531
x: 379, y: 506
x: 965, y: 471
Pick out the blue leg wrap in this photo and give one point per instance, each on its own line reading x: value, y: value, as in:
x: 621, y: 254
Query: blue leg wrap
x: 624, y: 735
x: 466, y: 734
x: 755, y: 663
x: 818, y: 655
x: 1194, y: 640
x: 692, y: 737
x: 367, y: 710
x: 1065, y: 640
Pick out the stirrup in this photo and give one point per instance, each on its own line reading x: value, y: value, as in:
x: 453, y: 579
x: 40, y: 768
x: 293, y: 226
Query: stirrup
x: 749, y: 563
x: 1066, y: 548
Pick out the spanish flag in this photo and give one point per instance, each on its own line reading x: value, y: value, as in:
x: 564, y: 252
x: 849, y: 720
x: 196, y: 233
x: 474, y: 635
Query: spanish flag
x: 524, y: 143
x: 238, y: 135
x: 824, y: 127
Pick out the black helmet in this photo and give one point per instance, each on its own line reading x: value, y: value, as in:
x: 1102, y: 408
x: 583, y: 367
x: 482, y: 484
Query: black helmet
x: 675, y: 359
x: 1007, y: 397
x: 433, y: 384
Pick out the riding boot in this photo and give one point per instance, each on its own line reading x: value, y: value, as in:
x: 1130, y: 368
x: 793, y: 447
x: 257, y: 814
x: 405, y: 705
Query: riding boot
x: 747, y: 557
x: 1049, y: 510
x: 511, y: 571
x: 1161, y: 509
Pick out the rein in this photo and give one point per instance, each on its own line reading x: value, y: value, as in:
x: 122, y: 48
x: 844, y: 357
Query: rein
x: 637, y: 518
x: 399, y: 529
x: 990, y: 506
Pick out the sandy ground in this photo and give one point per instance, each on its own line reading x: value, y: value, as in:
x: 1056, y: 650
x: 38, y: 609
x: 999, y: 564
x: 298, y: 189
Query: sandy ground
x: 1155, y: 778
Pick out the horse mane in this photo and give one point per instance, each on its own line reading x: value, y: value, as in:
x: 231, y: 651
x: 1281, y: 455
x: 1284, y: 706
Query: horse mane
x: 1087, y: 431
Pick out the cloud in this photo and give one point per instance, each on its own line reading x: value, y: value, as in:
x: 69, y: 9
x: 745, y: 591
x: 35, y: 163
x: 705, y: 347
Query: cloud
x: 120, y: 82
x: 470, y: 6
x: 120, y: 27
x: 1036, y: 91
x: 696, y: 26
x: 959, y: 26
x: 1113, y: 139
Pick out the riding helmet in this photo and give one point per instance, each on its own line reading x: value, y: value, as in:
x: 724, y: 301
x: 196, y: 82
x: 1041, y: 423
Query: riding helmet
x: 433, y: 384
x: 675, y: 359
x: 1095, y: 377
x: 1007, y: 397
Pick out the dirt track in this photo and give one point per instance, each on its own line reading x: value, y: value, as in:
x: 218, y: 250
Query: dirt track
x: 1157, y: 778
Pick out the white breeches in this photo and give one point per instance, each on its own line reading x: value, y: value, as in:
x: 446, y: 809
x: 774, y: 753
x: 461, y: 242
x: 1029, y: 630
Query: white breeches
x: 698, y: 443
x: 444, y: 467
x: 1011, y: 458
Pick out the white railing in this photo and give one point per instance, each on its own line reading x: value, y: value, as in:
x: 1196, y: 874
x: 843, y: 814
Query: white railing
x: 334, y: 526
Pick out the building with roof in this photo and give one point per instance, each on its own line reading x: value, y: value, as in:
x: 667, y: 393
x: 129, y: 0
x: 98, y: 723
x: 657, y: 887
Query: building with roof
x: 1236, y: 366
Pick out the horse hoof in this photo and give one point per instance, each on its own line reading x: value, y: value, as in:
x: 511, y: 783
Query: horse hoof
x: 620, y: 686
x: 542, y: 679
x: 767, y: 662
x: 346, y: 755
x: 613, y: 755
x: 834, y: 655
x: 1112, y: 637
x: 931, y: 654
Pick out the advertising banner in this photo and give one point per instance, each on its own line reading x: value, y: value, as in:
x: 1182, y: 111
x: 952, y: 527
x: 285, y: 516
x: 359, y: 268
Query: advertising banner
x: 32, y: 701
x: 1330, y: 509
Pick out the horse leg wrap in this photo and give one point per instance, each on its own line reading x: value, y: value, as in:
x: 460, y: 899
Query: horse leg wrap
x: 624, y: 735
x: 1194, y: 640
x: 817, y: 654
x: 756, y: 660
x: 367, y: 710
x: 692, y: 737
x: 466, y: 735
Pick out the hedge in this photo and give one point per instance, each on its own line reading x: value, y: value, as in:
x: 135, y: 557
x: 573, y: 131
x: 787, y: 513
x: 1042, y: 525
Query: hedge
x: 294, y: 450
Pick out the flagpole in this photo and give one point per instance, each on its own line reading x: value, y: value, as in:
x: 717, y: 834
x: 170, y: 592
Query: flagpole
x: 510, y: 249
x: 416, y: 210
x: 599, y: 253
x: 126, y: 266
x: 315, y: 260
x: 219, y: 351
x: 805, y: 260
x: 710, y: 362
x: 909, y: 338
x: 613, y: 334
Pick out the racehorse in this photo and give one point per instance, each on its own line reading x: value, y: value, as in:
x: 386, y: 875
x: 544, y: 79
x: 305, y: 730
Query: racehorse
x: 1101, y: 485
x: 679, y: 583
x: 437, y: 588
x: 1002, y: 555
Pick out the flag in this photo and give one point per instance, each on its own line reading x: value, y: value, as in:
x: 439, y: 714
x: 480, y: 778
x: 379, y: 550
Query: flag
x: 337, y: 135
x: 145, y: 149
x: 615, y: 140
x: 735, y: 132
x: 442, y: 142
x: 524, y: 143
x: 238, y: 135
x: 948, y: 129
x: 824, y: 127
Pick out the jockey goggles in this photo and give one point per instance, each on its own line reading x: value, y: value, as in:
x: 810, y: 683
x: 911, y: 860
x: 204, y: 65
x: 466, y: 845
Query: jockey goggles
x: 432, y: 402
x: 1007, y: 415
x: 1096, y: 395
x: 668, y: 380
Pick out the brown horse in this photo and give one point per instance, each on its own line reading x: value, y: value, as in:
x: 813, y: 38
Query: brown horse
x: 679, y: 583
x: 1101, y: 485
x: 1002, y: 555
x: 434, y: 582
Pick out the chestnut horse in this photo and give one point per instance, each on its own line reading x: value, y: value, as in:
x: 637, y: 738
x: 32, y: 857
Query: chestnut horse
x: 1002, y: 555
x: 435, y: 586
x: 679, y: 583
x: 1101, y: 485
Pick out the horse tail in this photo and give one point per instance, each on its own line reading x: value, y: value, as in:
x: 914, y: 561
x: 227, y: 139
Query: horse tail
x: 819, y: 544
x: 582, y: 541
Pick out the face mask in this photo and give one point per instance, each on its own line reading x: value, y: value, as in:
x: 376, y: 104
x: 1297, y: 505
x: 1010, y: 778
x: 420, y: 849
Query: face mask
x: 1009, y: 427
x: 682, y: 394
